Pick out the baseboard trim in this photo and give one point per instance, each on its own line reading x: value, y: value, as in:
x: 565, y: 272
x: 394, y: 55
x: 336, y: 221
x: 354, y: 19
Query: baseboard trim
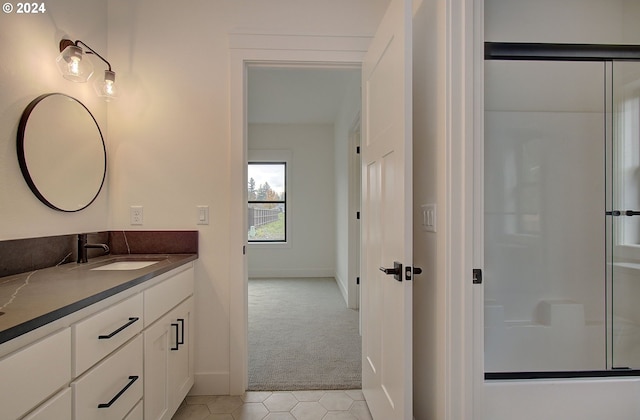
x: 343, y: 288
x: 211, y: 383
x: 294, y: 272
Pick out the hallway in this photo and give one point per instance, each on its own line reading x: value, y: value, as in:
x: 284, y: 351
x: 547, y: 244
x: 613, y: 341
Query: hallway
x: 302, y: 336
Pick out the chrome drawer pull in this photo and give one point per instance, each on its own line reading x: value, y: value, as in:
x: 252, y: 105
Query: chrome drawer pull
x: 132, y: 379
x: 106, y: 337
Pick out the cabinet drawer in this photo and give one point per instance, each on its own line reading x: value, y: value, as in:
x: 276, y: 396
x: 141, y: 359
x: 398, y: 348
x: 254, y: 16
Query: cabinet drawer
x: 136, y: 413
x: 161, y: 298
x: 113, y: 387
x: 36, y: 372
x: 100, y: 334
x: 56, y: 408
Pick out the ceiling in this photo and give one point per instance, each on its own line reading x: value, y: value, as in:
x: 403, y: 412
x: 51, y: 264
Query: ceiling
x: 298, y: 95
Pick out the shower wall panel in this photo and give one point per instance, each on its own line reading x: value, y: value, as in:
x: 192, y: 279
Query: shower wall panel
x: 568, y: 21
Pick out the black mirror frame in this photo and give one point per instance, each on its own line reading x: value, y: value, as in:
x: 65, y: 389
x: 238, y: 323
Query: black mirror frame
x: 23, y: 162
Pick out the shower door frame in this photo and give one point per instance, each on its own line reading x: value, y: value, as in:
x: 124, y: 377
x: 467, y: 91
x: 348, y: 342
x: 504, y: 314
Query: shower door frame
x: 558, y: 52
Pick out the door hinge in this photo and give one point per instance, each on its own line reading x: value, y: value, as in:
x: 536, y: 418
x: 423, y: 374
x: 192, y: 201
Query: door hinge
x: 358, y: 215
x: 358, y: 281
x: 358, y: 149
x: 477, y: 276
x: 244, y: 250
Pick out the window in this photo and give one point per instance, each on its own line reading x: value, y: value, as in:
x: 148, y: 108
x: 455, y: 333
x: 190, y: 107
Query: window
x: 267, y: 205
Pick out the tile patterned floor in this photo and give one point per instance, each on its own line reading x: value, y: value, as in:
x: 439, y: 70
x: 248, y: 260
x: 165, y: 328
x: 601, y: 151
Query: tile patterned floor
x: 277, y: 405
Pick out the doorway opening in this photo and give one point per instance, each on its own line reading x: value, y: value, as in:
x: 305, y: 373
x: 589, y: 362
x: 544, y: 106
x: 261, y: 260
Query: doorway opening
x: 301, y: 125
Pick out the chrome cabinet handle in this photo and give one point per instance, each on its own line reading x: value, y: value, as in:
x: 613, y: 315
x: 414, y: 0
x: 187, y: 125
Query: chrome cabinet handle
x: 132, y: 379
x: 131, y: 321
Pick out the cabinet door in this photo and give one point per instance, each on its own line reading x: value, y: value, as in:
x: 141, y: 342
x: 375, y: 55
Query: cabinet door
x: 168, y: 362
x: 156, y: 368
x: 136, y: 413
x: 181, y: 352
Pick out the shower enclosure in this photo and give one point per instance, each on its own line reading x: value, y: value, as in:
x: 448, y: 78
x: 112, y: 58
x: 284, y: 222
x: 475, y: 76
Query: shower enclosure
x: 562, y: 210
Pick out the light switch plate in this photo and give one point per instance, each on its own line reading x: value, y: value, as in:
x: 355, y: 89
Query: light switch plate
x: 428, y: 217
x: 203, y: 215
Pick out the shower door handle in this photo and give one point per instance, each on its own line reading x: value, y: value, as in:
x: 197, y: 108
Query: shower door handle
x: 623, y: 213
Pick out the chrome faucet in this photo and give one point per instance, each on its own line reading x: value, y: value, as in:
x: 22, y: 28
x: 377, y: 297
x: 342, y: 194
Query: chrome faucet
x: 83, y: 246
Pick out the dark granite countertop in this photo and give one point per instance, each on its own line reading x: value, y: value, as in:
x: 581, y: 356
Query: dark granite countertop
x: 31, y: 300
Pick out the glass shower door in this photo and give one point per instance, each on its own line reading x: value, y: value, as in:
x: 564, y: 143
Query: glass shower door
x: 624, y: 216
x: 545, y: 225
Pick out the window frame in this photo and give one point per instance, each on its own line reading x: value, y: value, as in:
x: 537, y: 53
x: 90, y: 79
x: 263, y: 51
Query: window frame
x: 273, y: 156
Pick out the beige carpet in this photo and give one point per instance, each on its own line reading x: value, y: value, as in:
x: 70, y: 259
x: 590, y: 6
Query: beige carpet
x: 302, y: 336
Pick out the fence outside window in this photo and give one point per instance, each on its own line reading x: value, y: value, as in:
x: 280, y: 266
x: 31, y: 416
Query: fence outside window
x: 259, y: 217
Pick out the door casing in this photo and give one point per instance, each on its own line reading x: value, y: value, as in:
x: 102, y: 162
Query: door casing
x: 281, y: 51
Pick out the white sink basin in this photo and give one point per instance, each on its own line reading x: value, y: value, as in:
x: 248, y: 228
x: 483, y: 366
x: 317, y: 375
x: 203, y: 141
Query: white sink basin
x: 125, y: 265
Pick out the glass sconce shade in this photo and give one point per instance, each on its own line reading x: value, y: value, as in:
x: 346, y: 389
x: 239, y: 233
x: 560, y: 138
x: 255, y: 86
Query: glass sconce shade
x: 106, y: 88
x: 73, y: 66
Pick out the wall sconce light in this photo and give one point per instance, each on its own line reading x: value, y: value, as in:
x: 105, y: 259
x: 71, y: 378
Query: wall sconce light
x: 72, y: 67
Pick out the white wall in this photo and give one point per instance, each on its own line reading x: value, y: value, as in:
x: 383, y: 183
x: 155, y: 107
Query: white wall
x: 27, y: 69
x: 310, y: 247
x: 171, y: 131
x: 429, y: 96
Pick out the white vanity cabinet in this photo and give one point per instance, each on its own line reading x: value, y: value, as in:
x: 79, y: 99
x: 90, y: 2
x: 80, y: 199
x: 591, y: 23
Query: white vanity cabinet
x: 57, y: 407
x: 99, y: 335
x: 136, y: 413
x: 107, y: 361
x: 181, y: 356
x: 168, y: 347
x: 34, y: 374
x: 127, y: 360
x: 112, y: 388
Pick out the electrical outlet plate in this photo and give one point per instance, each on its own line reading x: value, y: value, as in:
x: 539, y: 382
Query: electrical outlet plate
x: 136, y: 215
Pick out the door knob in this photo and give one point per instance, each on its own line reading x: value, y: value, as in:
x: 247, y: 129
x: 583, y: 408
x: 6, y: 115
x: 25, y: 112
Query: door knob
x: 396, y: 271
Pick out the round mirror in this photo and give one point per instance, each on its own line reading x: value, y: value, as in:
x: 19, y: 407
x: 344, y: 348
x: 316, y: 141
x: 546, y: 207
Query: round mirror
x: 61, y: 152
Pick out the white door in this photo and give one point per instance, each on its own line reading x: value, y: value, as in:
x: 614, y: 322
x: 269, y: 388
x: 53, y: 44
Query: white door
x: 386, y: 218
